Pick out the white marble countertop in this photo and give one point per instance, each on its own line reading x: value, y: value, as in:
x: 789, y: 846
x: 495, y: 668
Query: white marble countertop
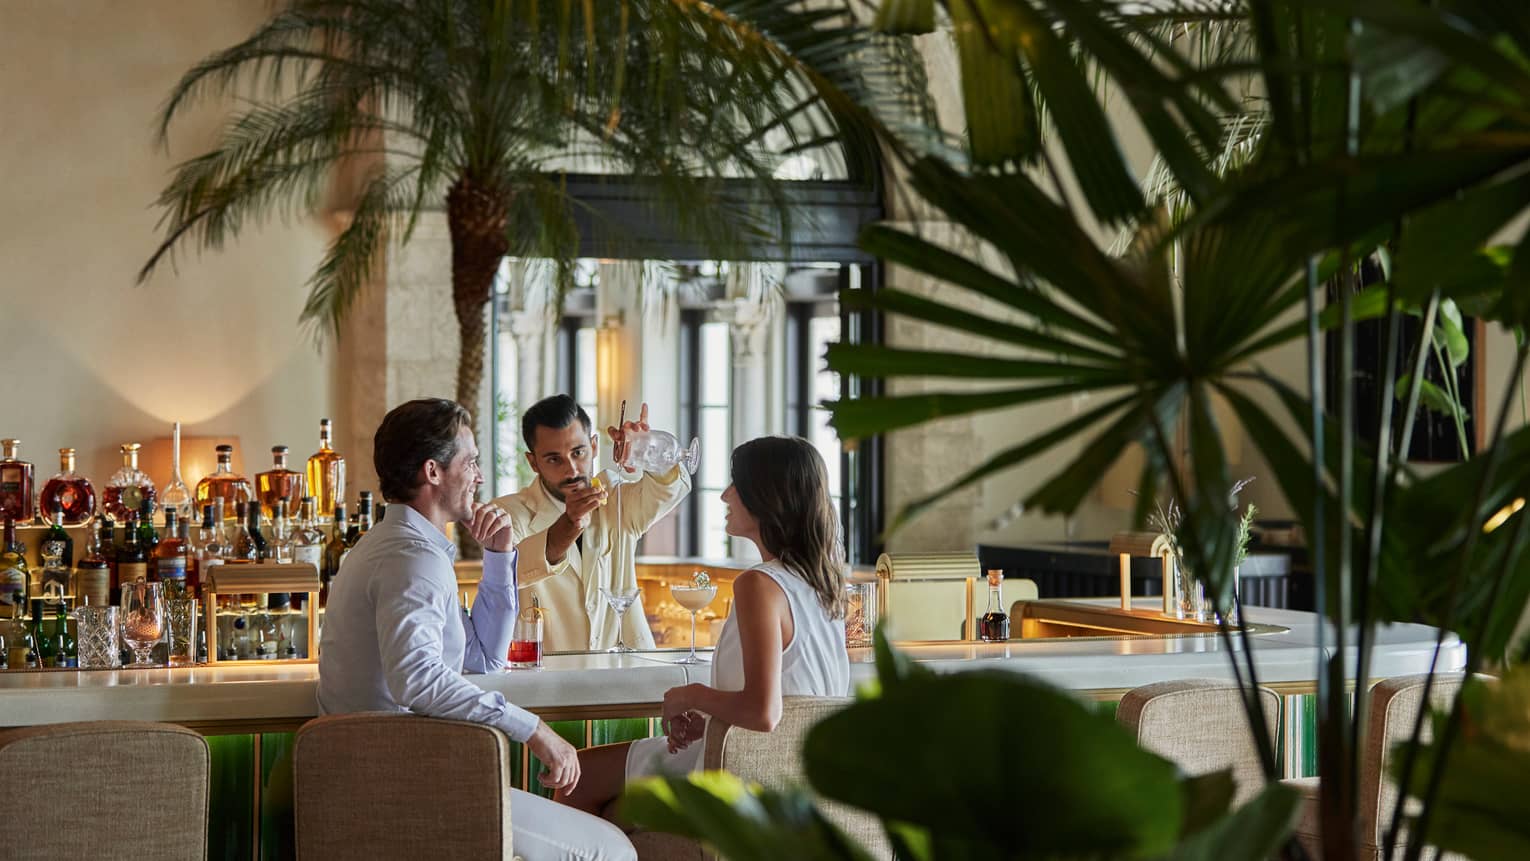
x: 570, y: 681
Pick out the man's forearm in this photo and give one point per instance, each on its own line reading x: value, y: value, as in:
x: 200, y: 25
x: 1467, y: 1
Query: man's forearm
x: 560, y: 535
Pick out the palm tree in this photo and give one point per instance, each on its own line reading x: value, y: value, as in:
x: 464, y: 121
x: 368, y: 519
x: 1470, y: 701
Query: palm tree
x: 483, y: 104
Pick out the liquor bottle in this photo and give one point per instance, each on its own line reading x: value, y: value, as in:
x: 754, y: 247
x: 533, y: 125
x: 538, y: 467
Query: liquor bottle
x: 129, y: 487
x: 15, y: 482
x: 15, y: 579
x: 132, y: 559
x: 18, y: 640
x: 307, y: 540
x: 994, y: 626
x: 279, y: 537
x: 264, y: 552
x: 225, y: 484
x: 46, y: 646
x: 243, y: 547
x: 147, y: 537
x: 279, y: 487
x: 208, y: 551
x: 170, y: 558
x: 176, y: 494
x: 334, y: 553
x: 326, y: 474
x: 68, y: 492
x: 57, y: 551
x: 64, y: 645
x: 93, y: 576
x: 363, y: 518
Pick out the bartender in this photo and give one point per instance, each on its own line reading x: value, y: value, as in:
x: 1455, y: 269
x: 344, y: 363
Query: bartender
x: 574, y: 544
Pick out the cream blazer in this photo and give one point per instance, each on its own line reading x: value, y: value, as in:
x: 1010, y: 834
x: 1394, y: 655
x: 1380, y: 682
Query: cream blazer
x: 577, y: 618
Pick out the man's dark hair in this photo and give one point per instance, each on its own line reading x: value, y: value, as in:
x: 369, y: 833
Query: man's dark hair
x: 556, y: 412
x: 410, y: 434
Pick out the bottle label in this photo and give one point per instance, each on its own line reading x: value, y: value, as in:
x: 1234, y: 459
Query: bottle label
x: 128, y: 572
x: 173, y: 568
x: 11, y: 478
x: 308, y: 554
x: 93, y: 583
x: 13, y: 586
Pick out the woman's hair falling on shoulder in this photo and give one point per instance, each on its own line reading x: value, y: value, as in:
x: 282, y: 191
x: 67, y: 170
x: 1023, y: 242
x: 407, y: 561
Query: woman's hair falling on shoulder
x: 783, y: 483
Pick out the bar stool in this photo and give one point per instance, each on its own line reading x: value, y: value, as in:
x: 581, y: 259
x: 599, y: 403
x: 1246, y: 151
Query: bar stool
x: 160, y: 769
x: 1395, y: 704
x: 390, y: 785
x: 1200, y: 725
x: 773, y: 760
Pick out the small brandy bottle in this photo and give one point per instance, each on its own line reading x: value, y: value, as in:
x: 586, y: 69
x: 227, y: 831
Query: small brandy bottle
x: 225, y: 484
x: 68, y: 492
x: 128, y: 488
x: 279, y: 487
x: 15, y: 482
x: 994, y: 626
x: 326, y: 474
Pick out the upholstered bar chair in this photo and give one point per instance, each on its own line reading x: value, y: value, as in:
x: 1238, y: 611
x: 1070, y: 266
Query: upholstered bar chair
x: 1395, y: 704
x: 773, y: 760
x: 165, y: 767
x: 1200, y: 725
x: 386, y: 785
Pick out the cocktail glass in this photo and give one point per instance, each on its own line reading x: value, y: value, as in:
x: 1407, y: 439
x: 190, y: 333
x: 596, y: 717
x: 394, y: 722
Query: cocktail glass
x: 695, y: 599
x: 143, y: 619
x: 619, y: 600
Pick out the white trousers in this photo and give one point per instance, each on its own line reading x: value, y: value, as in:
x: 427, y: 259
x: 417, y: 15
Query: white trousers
x: 544, y: 830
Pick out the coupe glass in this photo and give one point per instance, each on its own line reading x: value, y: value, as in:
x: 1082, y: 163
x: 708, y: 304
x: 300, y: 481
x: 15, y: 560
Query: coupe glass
x: 143, y: 619
x: 619, y: 601
x: 658, y: 451
x: 695, y: 599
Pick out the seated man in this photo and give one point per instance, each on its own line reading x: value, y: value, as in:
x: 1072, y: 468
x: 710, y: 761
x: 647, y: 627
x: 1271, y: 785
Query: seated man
x: 396, y: 639
x: 572, y: 544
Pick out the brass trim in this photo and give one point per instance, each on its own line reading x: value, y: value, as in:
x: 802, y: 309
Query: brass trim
x: 257, y: 767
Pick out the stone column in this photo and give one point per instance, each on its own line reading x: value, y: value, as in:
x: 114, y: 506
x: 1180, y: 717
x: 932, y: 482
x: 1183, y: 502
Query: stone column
x: 749, y: 332
x: 529, y: 329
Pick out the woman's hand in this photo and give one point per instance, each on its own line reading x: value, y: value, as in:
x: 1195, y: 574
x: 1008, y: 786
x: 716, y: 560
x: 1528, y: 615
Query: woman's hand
x: 685, y: 728
x: 677, y: 701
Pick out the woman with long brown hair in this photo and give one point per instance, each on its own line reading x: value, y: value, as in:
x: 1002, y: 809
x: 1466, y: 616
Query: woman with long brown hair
x: 785, y: 637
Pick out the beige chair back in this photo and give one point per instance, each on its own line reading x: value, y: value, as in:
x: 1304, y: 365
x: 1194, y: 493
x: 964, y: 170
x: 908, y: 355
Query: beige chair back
x: 386, y: 785
x: 773, y: 760
x: 128, y: 789
x: 1395, y: 705
x: 1200, y: 725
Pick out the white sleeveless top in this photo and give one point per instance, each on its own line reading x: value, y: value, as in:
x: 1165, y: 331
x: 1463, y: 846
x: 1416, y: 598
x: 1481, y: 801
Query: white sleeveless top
x: 814, y: 663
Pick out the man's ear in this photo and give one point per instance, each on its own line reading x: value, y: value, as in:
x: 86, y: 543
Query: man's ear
x: 531, y: 459
x: 432, y: 472
x: 594, y: 447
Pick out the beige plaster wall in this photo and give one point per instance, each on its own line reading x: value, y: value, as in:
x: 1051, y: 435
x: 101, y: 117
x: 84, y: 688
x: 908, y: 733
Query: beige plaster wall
x: 90, y: 360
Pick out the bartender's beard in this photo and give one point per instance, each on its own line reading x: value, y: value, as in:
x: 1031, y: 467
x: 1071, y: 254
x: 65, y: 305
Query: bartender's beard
x: 557, y: 491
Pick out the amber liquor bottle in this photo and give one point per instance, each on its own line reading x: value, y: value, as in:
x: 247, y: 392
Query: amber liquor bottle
x: 225, y: 484
x: 326, y: 474
x: 68, y: 492
x: 15, y: 577
x: 15, y: 482
x: 279, y: 487
x: 170, y: 558
x: 128, y: 488
x: 93, y: 575
x: 994, y: 626
x: 334, y: 553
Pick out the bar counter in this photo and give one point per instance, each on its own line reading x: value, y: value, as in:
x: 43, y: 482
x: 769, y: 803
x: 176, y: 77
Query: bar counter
x: 586, y: 686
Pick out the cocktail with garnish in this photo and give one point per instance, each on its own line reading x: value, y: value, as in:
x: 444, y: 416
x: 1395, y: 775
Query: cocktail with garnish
x: 694, y: 596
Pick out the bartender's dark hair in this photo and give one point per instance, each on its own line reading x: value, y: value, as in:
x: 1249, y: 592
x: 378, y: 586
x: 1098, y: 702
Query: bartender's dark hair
x: 556, y: 412
x: 410, y: 434
x: 783, y: 483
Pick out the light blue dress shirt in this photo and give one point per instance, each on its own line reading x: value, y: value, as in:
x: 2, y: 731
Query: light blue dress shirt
x: 396, y: 639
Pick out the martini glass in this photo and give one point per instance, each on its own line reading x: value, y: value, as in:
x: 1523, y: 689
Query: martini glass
x: 619, y: 600
x: 694, y: 598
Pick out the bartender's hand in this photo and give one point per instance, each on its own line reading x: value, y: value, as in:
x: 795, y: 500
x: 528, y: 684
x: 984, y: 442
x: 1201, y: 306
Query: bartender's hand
x: 619, y: 435
x: 560, y: 762
x: 580, y: 502
x: 491, y: 527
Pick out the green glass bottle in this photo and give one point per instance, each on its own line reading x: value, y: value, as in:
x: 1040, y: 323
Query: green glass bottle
x: 47, y: 647
x: 57, y: 551
x: 68, y: 650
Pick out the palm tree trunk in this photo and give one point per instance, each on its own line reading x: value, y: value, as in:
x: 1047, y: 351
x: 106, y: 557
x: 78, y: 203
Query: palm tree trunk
x: 477, y: 216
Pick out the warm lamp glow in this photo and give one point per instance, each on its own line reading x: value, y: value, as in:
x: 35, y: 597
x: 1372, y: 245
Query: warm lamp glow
x: 199, y: 458
x: 608, y: 345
